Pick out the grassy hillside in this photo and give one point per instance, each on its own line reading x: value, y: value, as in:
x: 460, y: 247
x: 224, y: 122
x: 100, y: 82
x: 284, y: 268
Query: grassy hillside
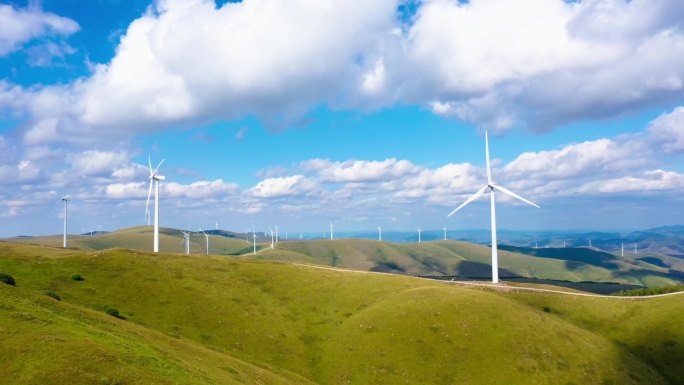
x: 471, y: 260
x: 434, y: 258
x: 141, y: 238
x: 328, y: 326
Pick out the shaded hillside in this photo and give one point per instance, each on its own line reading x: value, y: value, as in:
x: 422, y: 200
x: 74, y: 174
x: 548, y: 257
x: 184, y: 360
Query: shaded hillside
x: 454, y: 258
x: 331, y: 327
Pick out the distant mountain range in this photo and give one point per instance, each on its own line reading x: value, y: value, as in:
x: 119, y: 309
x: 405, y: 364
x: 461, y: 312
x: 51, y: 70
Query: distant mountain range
x: 662, y: 240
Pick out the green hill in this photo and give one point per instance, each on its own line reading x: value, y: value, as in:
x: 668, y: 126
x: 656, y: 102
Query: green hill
x: 140, y: 238
x: 463, y: 259
x: 434, y: 258
x: 211, y: 319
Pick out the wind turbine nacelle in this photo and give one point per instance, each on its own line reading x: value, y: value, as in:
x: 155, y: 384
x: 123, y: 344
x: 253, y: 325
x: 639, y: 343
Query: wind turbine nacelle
x: 159, y: 177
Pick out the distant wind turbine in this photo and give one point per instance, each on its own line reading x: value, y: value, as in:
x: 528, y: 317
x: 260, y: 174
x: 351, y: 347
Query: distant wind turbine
x: 635, y: 248
x: 186, y: 235
x: 276, y: 238
x: 622, y: 249
x: 154, y: 179
x: 65, y: 199
x: 379, y: 233
x: 444, y: 228
x: 206, y: 236
x: 419, y: 240
x: 332, y: 231
x: 492, y: 187
x: 254, y: 241
x: 272, y: 237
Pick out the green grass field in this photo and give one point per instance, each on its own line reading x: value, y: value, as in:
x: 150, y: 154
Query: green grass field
x: 435, y: 258
x: 206, y: 320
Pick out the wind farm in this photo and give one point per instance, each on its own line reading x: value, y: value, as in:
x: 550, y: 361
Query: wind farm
x: 156, y: 156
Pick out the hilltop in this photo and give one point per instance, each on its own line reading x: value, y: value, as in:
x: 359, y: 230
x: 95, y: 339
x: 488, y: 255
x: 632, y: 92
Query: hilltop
x: 201, y: 319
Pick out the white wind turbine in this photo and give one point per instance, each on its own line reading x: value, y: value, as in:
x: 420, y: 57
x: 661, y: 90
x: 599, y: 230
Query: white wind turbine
x: 254, y: 241
x: 206, y: 236
x: 186, y: 235
x: 379, y: 233
x: 65, y: 199
x: 154, y: 179
x: 332, y: 231
x: 272, y: 237
x: 419, y: 240
x: 445, y: 235
x: 492, y: 187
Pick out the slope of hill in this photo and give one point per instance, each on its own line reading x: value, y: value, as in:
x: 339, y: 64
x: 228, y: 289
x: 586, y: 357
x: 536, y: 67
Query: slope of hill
x: 434, y: 258
x: 329, y: 326
x: 454, y: 258
x: 140, y: 238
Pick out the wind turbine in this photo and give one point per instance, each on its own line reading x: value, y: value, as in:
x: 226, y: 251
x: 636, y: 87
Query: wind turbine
x: 492, y: 187
x: 379, y: 233
x: 622, y: 249
x: 65, y: 199
x: 154, y: 179
x: 186, y: 235
x: 276, y: 239
x: 272, y: 237
x: 254, y: 241
x: 207, y: 238
x: 332, y: 231
x: 635, y: 248
x: 419, y: 235
x: 444, y: 228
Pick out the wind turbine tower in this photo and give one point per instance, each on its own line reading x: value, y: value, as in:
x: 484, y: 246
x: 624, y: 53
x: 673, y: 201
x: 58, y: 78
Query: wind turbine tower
x: 186, y: 235
x: 206, y: 236
x: 445, y: 235
x: 65, y: 199
x: 276, y: 237
x: 254, y: 241
x: 332, y: 231
x: 154, y: 179
x: 635, y: 248
x: 492, y: 188
x: 272, y: 237
x: 379, y: 233
x: 419, y: 240
x: 622, y: 249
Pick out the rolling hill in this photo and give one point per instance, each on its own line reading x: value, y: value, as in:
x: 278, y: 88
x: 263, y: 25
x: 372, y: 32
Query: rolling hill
x: 211, y: 319
x: 434, y: 258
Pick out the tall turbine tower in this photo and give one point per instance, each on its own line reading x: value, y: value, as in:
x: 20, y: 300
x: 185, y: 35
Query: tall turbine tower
x: 154, y: 179
x: 332, y: 231
x: 65, y: 199
x: 379, y: 233
x: 186, y: 235
x: 444, y: 228
x: 492, y: 187
x: 419, y: 240
x: 206, y: 236
x: 272, y: 237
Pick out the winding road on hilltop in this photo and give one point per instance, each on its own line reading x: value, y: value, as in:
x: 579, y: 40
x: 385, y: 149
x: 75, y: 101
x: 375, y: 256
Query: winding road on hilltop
x: 503, y: 287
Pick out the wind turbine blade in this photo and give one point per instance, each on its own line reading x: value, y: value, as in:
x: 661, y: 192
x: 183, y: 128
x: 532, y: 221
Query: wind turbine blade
x: 159, y: 165
x: 149, y: 161
x: 514, y: 195
x: 147, y: 205
x: 489, y: 170
x: 472, y: 198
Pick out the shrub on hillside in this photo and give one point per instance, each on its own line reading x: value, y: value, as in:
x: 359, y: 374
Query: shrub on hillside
x: 54, y: 295
x: 6, y: 278
x: 113, y: 312
x: 651, y: 291
x: 77, y: 277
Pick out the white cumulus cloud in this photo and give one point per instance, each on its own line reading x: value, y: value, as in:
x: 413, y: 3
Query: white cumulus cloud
x: 21, y: 25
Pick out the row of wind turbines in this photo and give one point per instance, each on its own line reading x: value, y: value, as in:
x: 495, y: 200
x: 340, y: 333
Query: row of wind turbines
x: 155, y: 178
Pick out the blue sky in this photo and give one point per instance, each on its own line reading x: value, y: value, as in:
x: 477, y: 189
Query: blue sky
x: 299, y: 113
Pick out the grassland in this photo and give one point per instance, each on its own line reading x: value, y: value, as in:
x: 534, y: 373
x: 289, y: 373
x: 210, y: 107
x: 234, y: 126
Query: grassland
x: 435, y: 258
x: 210, y: 319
